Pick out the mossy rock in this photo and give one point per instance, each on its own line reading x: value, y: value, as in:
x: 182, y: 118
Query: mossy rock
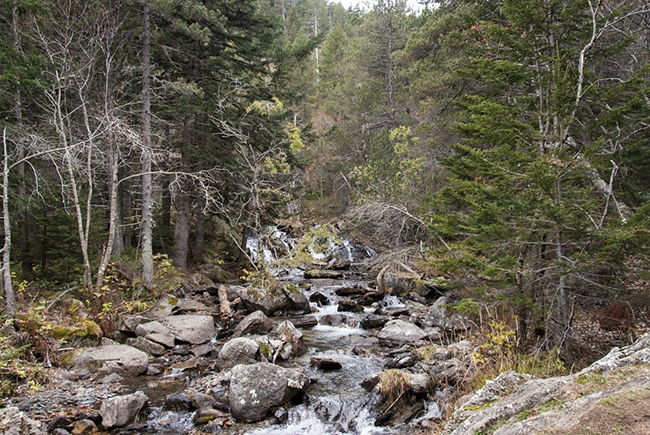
x: 68, y: 359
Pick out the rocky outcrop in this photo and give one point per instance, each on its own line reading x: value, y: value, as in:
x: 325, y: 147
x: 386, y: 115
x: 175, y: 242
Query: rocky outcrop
x: 15, y: 422
x: 115, y: 358
x: 121, y: 410
x: 617, y: 386
x: 156, y: 332
x: 257, y: 388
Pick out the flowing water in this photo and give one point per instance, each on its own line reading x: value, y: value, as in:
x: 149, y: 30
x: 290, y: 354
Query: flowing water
x: 336, y: 402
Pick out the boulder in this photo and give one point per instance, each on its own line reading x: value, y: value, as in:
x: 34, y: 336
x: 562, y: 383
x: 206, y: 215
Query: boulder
x: 374, y: 321
x: 323, y: 274
x: 191, y: 329
x: 397, y: 282
x: 293, y: 344
x: 128, y: 323
x: 15, y: 422
x: 298, y: 302
x: 121, y: 410
x: 156, y: 332
x: 239, y: 350
x: 257, y: 388
x: 334, y: 320
x: 146, y: 346
x: 255, y: 299
x: 116, y: 358
x: 319, y: 299
x: 254, y: 323
x: 437, y: 317
x: 325, y: 364
x: 177, y: 402
x: 307, y: 321
x: 397, y: 332
x: 349, y: 306
x: 351, y: 291
x: 82, y: 427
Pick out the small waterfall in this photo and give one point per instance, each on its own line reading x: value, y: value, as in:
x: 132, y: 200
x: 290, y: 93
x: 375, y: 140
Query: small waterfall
x: 392, y: 301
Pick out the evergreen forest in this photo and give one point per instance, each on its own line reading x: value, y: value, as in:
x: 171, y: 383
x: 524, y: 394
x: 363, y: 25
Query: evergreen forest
x: 496, y: 150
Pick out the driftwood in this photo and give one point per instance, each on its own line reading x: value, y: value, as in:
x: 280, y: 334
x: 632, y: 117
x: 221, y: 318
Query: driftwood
x: 224, y: 305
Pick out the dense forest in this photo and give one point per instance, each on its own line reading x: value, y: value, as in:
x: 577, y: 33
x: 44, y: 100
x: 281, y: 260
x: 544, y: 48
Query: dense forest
x: 500, y: 147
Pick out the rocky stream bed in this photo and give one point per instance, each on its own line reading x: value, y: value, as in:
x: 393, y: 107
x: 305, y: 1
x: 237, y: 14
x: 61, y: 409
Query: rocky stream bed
x: 327, y: 352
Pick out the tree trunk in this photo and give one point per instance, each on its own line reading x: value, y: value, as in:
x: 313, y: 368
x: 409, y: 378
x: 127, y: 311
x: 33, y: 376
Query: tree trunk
x: 113, y: 219
x: 146, y: 231
x: 183, y: 203
x: 10, y: 298
x: 199, y: 240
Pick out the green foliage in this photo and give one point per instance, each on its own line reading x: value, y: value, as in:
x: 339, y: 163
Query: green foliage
x: 317, y: 241
x: 18, y: 367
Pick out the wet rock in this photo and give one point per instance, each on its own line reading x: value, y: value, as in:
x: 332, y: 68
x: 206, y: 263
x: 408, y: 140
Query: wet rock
x: 155, y: 369
x: 292, y: 341
x: 334, y: 320
x: 370, y: 382
x: 350, y: 291
x: 146, y: 346
x: 320, y: 299
x: 83, y: 427
x: 255, y: 299
x: 239, y: 350
x: 121, y: 410
x: 177, y: 402
x: 349, y: 306
x: 117, y: 358
x: 254, y: 323
x: 323, y: 274
x: 374, y: 321
x: 60, y: 431
x: 156, y: 332
x: 370, y: 298
x: 397, y: 332
x: 325, y: 364
x: 257, y: 388
x: 110, y: 379
x: 298, y: 302
x: 207, y: 415
x: 191, y: 329
x: 15, y: 422
x: 304, y: 322
x: 202, y: 401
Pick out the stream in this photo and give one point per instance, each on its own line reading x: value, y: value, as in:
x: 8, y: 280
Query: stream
x: 335, y: 403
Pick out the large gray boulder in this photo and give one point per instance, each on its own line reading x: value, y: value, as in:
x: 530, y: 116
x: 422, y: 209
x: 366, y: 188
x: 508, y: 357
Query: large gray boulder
x: 257, y: 388
x: 121, y: 410
x: 191, y: 329
x: 240, y: 350
x: 254, y: 323
x: 156, y: 332
x: 397, y: 332
x: 15, y: 422
x: 269, y: 302
x: 115, y: 358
